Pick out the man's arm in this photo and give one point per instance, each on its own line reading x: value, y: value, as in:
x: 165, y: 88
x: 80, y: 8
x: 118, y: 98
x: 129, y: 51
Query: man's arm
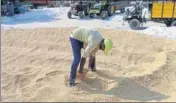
x: 92, y: 62
x: 86, y: 54
x: 83, y: 61
x: 89, y: 51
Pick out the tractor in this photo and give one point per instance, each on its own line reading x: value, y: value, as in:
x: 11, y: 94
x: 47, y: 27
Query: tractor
x: 136, y: 15
x: 163, y: 11
x: 103, y: 9
x: 78, y: 9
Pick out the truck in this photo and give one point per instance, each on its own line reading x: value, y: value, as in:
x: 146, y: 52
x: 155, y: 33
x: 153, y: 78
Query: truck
x: 37, y: 3
x: 163, y: 11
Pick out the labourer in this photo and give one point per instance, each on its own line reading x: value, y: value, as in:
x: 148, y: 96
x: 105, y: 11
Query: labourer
x: 91, y: 40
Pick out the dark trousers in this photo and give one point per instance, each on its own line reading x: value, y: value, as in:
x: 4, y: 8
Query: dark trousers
x: 76, y: 49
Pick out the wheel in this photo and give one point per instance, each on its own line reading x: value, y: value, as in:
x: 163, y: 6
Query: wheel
x: 91, y: 15
x: 134, y: 24
x: 173, y: 23
x: 81, y: 14
x: 103, y: 14
x: 69, y: 15
x: 122, y: 10
x: 17, y: 11
x: 110, y: 10
x: 168, y: 23
x: 98, y: 14
x: 35, y: 6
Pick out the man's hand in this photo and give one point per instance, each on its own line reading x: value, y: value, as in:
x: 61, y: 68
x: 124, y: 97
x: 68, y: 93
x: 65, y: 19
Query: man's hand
x: 81, y: 76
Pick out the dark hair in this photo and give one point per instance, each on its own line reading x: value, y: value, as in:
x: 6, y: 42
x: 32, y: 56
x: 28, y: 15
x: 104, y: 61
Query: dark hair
x: 102, y: 41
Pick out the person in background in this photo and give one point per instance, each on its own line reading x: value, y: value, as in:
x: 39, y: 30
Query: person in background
x: 4, y: 10
x: 10, y: 8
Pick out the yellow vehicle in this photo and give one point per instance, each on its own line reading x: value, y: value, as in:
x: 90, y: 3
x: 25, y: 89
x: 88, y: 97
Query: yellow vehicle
x: 165, y: 11
x: 161, y: 11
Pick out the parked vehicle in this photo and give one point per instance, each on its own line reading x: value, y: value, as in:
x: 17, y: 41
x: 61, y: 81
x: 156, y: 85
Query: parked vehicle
x: 37, y: 3
x: 103, y: 9
x: 120, y: 5
x: 107, y: 8
x: 161, y: 11
x: 164, y: 11
x: 135, y: 15
x: 78, y: 9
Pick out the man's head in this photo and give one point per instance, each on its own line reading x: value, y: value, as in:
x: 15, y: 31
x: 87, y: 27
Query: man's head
x: 106, y: 45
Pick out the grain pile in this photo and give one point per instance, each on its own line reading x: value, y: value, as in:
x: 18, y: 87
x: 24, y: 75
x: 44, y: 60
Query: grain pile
x: 34, y: 63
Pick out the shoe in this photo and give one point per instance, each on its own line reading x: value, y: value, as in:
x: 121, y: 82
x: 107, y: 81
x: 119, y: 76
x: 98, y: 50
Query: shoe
x: 72, y: 84
x: 93, y: 70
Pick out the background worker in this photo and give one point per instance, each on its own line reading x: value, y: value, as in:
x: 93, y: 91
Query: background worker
x: 91, y: 40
